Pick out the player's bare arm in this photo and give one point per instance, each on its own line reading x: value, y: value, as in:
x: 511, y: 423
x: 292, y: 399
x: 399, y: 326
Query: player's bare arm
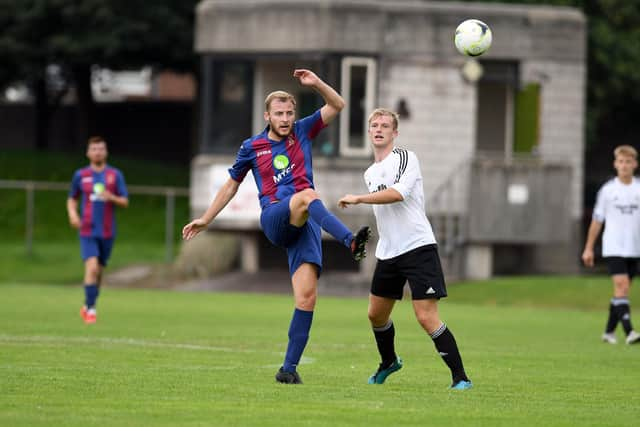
x: 390, y: 195
x: 333, y: 101
x: 223, y: 197
x: 72, y: 212
x: 594, y: 230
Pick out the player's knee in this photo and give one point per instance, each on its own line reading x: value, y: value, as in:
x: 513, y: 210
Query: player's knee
x: 92, y: 272
x: 306, y: 302
x: 622, y: 290
x: 307, y: 196
x: 429, y: 320
x: 377, y: 319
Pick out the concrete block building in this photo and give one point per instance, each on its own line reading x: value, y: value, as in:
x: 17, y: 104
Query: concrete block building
x: 500, y: 137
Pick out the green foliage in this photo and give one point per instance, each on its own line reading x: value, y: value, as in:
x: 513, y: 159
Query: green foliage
x: 184, y: 359
x: 114, y: 33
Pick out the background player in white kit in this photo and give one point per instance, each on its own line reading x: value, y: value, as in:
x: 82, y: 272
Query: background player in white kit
x: 618, y: 206
x: 406, y: 250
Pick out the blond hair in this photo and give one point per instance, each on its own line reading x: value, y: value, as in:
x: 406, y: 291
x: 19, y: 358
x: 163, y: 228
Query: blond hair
x: 625, y: 150
x: 384, y: 112
x: 280, y: 95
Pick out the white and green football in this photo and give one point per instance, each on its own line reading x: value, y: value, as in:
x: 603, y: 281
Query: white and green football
x: 473, y: 37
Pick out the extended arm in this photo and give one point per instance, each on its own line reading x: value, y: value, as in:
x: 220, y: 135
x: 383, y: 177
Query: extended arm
x: 333, y: 101
x: 223, y: 197
x: 594, y: 230
x: 390, y: 195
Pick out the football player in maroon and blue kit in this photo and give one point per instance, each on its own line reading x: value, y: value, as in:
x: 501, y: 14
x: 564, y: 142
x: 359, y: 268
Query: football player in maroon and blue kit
x: 100, y: 188
x: 292, y: 213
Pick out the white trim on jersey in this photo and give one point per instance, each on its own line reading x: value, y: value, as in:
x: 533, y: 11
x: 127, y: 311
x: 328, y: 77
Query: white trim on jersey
x: 402, y: 226
x: 618, y: 207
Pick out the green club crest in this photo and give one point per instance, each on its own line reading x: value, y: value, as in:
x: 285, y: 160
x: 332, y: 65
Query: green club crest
x: 280, y: 161
x: 98, y: 187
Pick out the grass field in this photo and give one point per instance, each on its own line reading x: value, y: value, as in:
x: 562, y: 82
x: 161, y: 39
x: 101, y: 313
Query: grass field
x: 186, y: 359
x: 59, y: 262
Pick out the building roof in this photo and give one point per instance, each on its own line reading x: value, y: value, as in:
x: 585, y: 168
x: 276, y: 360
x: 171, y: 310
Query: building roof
x: 382, y: 27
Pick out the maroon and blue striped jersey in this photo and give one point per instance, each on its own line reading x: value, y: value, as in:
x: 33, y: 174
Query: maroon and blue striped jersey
x: 97, y: 217
x: 280, y: 168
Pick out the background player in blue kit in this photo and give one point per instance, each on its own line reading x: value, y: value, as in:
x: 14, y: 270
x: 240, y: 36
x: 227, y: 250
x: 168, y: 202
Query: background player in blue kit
x: 100, y: 188
x: 292, y: 213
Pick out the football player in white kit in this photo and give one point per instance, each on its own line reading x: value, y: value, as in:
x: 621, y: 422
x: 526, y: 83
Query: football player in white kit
x: 406, y: 250
x: 618, y: 206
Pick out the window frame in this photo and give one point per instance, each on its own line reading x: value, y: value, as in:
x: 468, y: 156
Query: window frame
x: 370, y: 100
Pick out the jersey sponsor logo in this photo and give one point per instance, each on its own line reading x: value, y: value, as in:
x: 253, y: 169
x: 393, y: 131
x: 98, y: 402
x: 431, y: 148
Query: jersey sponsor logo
x: 263, y: 153
x: 87, y: 179
x: 626, y: 209
x: 277, y: 178
x: 280, y: 162
x: 98, y: 188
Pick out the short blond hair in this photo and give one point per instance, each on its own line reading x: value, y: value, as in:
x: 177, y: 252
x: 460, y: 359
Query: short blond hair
x: 625, y: 150
x: 384, y: 112
x: 280, y: 95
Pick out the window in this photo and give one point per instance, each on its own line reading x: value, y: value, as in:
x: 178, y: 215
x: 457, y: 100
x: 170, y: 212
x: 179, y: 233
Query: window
x: 227, y: 105
x: 358, y: 91
x: 495, y: 113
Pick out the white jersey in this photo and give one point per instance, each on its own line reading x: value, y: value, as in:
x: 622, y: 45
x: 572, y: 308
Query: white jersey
x: 402, y: 226
x: 618, y: 206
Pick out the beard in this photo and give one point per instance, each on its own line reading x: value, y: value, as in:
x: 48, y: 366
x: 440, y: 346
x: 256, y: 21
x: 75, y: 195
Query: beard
x: 275, y: 129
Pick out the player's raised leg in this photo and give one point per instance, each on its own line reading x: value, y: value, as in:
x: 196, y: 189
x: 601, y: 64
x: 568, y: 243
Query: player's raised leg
x: 307, y: 203
x: 305, y: 285
x: 384, y: 332
x: 426, y: 311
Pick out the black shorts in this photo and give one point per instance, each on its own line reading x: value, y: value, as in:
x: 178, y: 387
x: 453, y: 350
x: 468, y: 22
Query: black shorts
x: 621, y: 265
x: 420, y: 266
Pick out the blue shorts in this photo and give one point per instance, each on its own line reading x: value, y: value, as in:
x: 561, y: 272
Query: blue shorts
x: 96, y: 246
x: 303, y: 244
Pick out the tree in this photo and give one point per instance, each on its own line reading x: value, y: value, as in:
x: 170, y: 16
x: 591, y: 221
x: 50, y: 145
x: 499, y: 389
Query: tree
x: 77, y: 35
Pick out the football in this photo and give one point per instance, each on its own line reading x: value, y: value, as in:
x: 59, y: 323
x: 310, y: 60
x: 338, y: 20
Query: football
x: 473, y: 37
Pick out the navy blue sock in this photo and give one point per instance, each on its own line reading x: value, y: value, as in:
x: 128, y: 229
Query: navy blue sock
x: 330, y: 223
x: 298, y: 337
x: 90, y: 295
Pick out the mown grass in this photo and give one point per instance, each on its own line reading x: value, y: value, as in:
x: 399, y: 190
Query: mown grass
x: 167, y: 358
